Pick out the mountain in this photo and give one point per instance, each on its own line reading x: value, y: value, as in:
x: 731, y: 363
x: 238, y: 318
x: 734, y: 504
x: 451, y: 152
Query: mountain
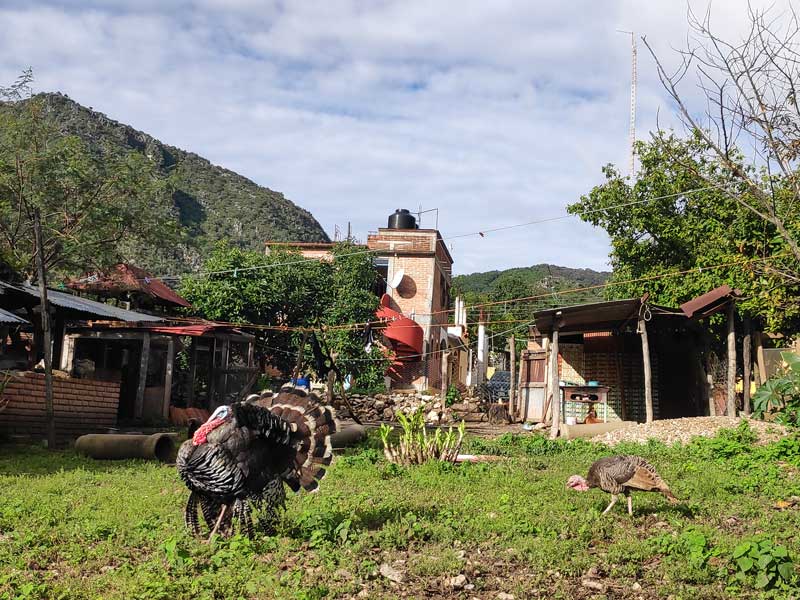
x: 534, y: 280
x: 212, y: 203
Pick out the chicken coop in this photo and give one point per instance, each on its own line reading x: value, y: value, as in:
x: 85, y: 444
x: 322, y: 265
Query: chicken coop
x: 612, y: 358
x: 158, y: 366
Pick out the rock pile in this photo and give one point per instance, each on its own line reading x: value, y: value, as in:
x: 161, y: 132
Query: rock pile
x: 683, y: 430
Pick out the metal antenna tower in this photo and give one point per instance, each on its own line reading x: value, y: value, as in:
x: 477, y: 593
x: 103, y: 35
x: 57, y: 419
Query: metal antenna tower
x: 632, y: 133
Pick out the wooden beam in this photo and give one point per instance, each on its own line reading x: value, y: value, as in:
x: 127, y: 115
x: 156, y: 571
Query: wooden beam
x: 512, y: 386
x: 50, y: 419
x: 138, y: 407
x: 648, y: 373
x: 731, y: 396
x: 747, y: 362
x: 168, y: 377
x: 555, y: 392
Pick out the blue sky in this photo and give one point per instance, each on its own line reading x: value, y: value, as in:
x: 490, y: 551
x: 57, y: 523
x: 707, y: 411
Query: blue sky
x: 493, y: 112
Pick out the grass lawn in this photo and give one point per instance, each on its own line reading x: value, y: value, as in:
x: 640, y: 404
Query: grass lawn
x: 76, y: 528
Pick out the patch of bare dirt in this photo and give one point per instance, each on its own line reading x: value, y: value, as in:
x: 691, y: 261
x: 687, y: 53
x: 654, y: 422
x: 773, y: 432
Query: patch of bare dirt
x: 670, y: 431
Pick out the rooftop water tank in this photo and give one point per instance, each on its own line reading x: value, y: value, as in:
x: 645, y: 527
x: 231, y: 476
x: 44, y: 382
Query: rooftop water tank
x: 402, y: 219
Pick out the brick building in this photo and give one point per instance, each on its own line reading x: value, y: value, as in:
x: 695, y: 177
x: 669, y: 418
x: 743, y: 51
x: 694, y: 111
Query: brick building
x: 415, y: 269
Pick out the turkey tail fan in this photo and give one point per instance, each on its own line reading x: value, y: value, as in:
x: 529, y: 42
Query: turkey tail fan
x: 312, y: 423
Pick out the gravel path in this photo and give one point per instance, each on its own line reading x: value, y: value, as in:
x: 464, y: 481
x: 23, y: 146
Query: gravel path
x: 683, y: 430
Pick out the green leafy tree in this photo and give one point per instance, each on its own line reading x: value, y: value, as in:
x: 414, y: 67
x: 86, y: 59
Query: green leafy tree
x: 281, y: 289
x: 660, y: 224
x: 91, y: 207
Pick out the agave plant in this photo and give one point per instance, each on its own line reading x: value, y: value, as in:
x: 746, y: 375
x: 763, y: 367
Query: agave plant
x: 415, y: 446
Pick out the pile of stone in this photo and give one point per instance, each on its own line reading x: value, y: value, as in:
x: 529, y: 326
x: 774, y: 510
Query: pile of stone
x: 384, y: 407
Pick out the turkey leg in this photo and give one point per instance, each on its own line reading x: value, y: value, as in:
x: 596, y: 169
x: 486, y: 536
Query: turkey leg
x: 613, y: 502
x: 219, y: 521
x: 630, y: 504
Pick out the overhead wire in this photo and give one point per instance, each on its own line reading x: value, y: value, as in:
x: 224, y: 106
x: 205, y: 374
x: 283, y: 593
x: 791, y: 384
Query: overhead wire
x: 480, y: 233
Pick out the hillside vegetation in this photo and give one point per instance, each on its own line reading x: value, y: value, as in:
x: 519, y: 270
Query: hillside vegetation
x: 542, y: 276
x: 212, y: 203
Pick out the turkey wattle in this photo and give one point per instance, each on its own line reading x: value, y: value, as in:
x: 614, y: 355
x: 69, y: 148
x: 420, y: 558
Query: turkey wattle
x: 621, y: 475
x: 245, y: 452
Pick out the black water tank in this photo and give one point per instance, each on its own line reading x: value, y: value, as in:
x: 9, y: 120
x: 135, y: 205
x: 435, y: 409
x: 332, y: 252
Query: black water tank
x: 402, y: 219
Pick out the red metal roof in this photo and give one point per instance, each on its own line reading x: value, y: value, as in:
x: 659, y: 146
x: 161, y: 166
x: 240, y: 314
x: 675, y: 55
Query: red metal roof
x: 126, y: 278
x: 710, y: 302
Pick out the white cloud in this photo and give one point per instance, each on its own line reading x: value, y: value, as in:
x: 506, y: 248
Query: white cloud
x: 494, y: 112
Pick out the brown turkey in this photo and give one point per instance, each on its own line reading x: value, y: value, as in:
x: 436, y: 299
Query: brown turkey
x: 244, y: 454
x: 621, y: 475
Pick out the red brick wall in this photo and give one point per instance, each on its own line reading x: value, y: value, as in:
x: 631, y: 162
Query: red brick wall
x: 80, y: 405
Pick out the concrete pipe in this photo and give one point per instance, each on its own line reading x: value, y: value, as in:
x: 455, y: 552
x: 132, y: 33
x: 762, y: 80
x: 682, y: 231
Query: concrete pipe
x: 352, y: 434
x: 159, y: 446
x: 570, y: 432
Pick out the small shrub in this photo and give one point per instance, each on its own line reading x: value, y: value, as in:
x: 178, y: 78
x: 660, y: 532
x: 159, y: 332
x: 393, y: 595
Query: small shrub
x: 453, y: 396
x: 415, y: 446
x: 781, y: 394
x: 764, y: 564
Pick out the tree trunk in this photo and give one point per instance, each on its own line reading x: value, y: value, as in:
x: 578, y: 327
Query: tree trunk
x: 512, y: 385
x: 648, y: 374
x: 747, y: 363
x: 731, y: 396
x: 445, y: 371
x: 50, y: 420
x: 555, y: 392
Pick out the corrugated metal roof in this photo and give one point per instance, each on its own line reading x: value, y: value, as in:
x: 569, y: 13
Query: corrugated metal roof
x: 710, y: 303
x: 97, y: 309
x: 597, y: 316
x: 9, y: 317
x: 126, y: 278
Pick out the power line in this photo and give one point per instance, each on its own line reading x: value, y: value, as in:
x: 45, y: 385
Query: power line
x: 480, y: 233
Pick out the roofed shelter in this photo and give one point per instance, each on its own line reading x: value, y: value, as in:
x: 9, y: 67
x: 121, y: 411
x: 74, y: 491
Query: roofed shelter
x: 642, y: 360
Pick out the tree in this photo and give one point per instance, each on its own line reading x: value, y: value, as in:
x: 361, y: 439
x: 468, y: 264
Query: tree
x: 282, y: 289
x: 62, y: 207
x: 90, y: 204
x: 751, y: 89
x: 670, y: 220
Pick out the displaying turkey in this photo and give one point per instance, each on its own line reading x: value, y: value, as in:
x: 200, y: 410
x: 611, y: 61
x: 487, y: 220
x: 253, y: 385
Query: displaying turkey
x: 243, y: 454
x: 621, y: 475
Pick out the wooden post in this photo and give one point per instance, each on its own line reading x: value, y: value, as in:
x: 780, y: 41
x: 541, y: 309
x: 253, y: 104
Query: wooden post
x: 712, y: 405
x: 762, y: 365
x: 226, y: 353
x: 481, y: 366
x: 555, y: 392
x: 445, y: 372
x: 731, y: 359
x: 192, y: 373
x: 547, y: 403
x: 512, y: 386
x: 747, y: 362
x: 648, y: 374
x: 168, y: 377
x: 50, y: 419
x: 138, y: 407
